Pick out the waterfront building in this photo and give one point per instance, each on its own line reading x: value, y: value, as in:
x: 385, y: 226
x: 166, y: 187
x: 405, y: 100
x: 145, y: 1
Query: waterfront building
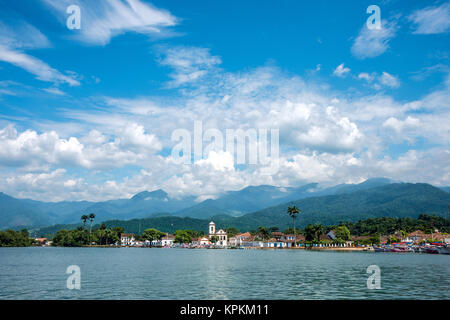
x: 167, y: 240
x: 41, y: 241
x: 238, y: 239
x: 201, y: 241
x: 127, y: 239
x: 221, y: 235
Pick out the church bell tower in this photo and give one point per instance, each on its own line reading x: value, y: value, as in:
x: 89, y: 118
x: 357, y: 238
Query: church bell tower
x: 212, y: 228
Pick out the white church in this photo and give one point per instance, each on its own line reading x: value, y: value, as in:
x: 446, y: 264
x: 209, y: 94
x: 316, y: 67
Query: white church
x: 221, y: 235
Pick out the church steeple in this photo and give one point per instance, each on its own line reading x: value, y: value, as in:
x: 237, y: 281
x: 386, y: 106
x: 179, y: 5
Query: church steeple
x: 212, y: 228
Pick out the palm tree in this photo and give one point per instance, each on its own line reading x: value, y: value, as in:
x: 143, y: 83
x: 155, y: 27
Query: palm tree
x: 293, y: 212
x: 318, y: 229
x: 91, y: 218
x: 263, y: 233
x: 84, y: 218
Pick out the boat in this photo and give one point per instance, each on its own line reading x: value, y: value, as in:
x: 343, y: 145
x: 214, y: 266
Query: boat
x: 443, y: 249
x: 401, y: 249
x: 380, y: 249
x: 430, y: 250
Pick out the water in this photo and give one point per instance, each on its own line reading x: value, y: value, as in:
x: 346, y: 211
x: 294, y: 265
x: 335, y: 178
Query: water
x: 142, y: 273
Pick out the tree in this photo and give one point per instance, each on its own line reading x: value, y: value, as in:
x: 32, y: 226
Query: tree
x: 342, y: 233
x: 404, y: 234
x: 11, y: 238
x: 84, y: 218
x: 152, y: 234
x: 375, y: 239
x: 263, y: 233
x: 313, y: 232
x: 318, y: 230
x: 214, y: 239
x: 293, y: 212
x: 182, y: 236
x: 232, y: 232
x: 91, y: 219
x: 393, y: 239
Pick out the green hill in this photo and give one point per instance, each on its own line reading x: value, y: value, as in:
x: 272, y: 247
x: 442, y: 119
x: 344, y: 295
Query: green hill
x: 393, y: 200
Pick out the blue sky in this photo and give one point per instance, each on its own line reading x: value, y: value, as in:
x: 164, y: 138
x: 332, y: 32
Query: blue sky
x: 89, y: 113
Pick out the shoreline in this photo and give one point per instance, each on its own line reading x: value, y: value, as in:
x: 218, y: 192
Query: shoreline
x: 365, y: 249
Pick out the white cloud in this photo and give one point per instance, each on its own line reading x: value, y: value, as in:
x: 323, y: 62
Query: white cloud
x: 40, y: 69
x: 325, y: 136
x: 103, y: 20
x: 366, y: 76
x: 131, y: 145
x: 431, y: 20
x: 25, y: 36
x: 373, y: 42
x: 341, y: 71
x: 399, y: 125
x: 54, y: 91
x: 220, y: 161
x: 190, y: 64
x: 378, y: 81
x: 389, y: 80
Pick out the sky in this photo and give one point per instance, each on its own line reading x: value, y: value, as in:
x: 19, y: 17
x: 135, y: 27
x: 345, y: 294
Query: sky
x: 89, y: 113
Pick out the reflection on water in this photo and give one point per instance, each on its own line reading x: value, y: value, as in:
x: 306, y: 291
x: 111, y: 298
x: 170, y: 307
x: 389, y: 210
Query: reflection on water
x: 142, y: 273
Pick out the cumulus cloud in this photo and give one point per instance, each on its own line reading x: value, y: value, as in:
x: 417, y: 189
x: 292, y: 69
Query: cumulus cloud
x: 325, y: 136
x: 31, y: 149
x: 431, y: 20
x: 378, y: 81
x: 373, y: 42
x: 400, y: 125
x: 341, y: 71
x: 103, y: 20
x: 389, y: 80
x: 366, y: 76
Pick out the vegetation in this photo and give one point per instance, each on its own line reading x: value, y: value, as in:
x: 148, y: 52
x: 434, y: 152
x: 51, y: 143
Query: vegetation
x: 84, y: 218
x: 214, y: 239
x: 185, y: 236
x: 263, y: 233
x: 342, y: 232
x: 386, y: 226
x: 402, y: 200
x: 11, y: 238
x: 91, y: 219
x: 81, y: 237
x: 109, y: 232
x: 399, y: 200
x: 293, y: 212
x: 152, y: 235
x: 231, y: 232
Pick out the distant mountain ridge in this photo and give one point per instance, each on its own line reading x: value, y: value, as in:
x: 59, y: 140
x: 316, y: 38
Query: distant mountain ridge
x: 238, y: 203
x: 242, y: 204
x: 392, y: 200
x: 18, y: 213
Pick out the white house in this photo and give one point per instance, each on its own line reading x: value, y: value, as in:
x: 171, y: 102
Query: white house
x: 221, y: 235
x: 239, y: 239
x: 201, y: 241
x: 127, y: 239
x: 167, y: 240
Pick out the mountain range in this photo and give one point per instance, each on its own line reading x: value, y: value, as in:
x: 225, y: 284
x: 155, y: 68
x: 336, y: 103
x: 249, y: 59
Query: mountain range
x: 254, y: 205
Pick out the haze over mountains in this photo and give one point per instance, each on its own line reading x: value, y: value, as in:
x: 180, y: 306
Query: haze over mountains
x: 260, y: 205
